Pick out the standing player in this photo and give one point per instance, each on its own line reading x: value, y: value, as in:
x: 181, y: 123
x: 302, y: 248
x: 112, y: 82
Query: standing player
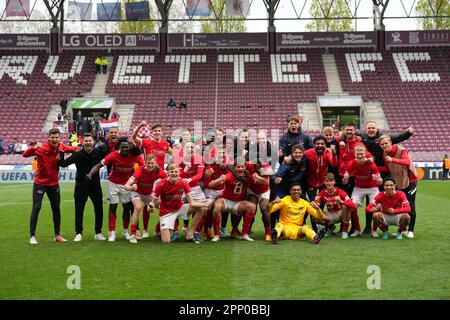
x: 367, y: 179
x: 292, y: 213
x: 233, y: 201
x: 170, y: 191
x: 293, y: 136
x: 84, y: 161
x: 259, y: 192
x: 318, y: 159
x: 400, y: 165
x: 390, y: 208
x: 156, y: 146
x: 122, y: 167
x: 141, y: 186
x: 46, y: 180
x: 191, y: 171
x: 338, y: 203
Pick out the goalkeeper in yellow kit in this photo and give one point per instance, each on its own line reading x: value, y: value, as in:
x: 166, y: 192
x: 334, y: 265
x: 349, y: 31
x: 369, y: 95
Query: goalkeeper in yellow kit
x: 292, y: 213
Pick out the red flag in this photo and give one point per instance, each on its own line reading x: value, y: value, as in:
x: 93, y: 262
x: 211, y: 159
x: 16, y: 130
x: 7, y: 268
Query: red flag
x: 17, y: 8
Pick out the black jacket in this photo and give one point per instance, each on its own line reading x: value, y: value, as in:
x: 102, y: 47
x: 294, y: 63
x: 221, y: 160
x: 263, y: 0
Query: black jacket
x: 289, y: 139
x: 84, y: 162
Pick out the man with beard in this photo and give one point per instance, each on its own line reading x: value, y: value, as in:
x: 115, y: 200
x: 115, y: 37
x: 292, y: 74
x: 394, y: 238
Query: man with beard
x: 317, y: 162
x: 46, y: 180
x: 84, y: 161
x: 122, y: 162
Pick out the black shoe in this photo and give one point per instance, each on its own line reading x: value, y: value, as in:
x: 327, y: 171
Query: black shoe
x: 319, y: 236
x: 274, y: 236
x: 193, y: 240
x: 367, y: 232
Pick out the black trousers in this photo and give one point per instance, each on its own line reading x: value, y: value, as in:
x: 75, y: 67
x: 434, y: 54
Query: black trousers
x: 54, y: 197
x: 84, y: 191
x: 410, y: 193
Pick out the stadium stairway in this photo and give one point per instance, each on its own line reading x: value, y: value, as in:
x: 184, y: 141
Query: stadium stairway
x: 55, y: 109
x: 311, y: 116
x: 332, y: 74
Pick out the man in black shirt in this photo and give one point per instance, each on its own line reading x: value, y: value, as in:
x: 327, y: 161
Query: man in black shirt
x: 84, y: 160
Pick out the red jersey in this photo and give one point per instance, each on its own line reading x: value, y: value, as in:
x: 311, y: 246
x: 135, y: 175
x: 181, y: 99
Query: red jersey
x: 158, y: 149
x: 234, y: 190
x: 334, y: 205
x: 362, y: 173
x: 317, y: 166
x: 403, y: 161
x: 145, y: 180
x: 122, y: 167
x: 398, y: 202
x: 257, y: 188
x: 111, y: 146
x: 194, y: 171
x: 170, y: 195
x: 347, y: 153
x: 218, y: 172
x: 47, y: 172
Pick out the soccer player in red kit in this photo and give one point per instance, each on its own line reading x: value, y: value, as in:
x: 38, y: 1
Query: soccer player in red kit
x: 141, y: 186
x: 259, y: 192
x: 122, y: 167
x: 213, y: 191
x: 46, y: 180
x: 390, y: 207
x: 170, y: 192
x: 339, y: 205
x: 191, y: 171
x: 400, y: 166
x: 233, y: 201
x: 367, y: 179
x: 318, y: 159
x: 156, y: 146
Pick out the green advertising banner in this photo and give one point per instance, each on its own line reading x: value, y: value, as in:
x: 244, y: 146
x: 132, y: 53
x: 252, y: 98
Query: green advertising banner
x: 86, y: 103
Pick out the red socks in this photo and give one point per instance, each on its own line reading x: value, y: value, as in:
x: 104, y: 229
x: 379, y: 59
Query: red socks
x: 345, y: 227
x: 267, y: 231
x: 112, y: 221
x: 133, y: 229
x: 247, y: 222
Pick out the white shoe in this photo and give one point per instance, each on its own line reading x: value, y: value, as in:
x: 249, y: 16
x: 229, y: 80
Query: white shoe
x: 133, y: 239
x: 356, y: 233
x: 246, y: 237
x: 60, y: 239
x: 112, y: 236
x: 99, y: 236
x: 215, y: 238
x: 138, y: 235
x: 78, y: 237
x: 33, y: 240
x: 185, y: 230
x: 126, y: 235
x: 374, y: 234
x: 410, y: 234
x: 145, y: 234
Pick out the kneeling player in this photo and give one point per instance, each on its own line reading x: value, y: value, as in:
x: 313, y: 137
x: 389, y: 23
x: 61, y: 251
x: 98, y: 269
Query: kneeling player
x: 338, y: 203
x: 390, y: 208
x: 233, y: 201
x: 170, y: 192
x: 292, y: 217
x: 141, y: 186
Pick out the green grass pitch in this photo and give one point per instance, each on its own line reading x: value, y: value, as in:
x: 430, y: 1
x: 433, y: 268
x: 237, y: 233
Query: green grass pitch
x: 335, y: 269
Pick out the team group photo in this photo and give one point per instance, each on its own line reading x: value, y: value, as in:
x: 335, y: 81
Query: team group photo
x: 220, y: 150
